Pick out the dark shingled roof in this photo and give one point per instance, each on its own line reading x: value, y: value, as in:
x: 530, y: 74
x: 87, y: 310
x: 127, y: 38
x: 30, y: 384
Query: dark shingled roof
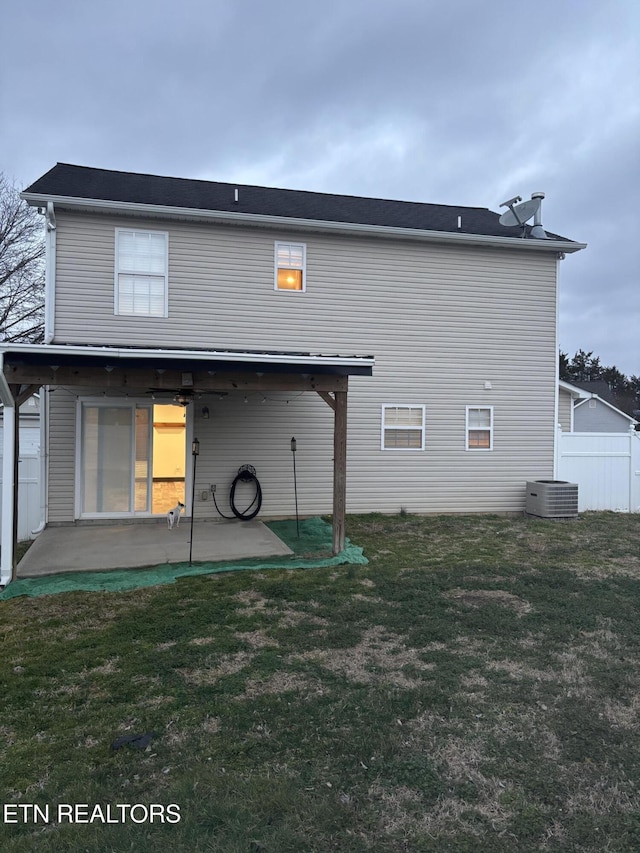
x: 81, y: 182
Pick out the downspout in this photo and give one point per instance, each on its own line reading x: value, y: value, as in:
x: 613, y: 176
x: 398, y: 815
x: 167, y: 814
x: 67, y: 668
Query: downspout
x: 44, y: 458
x: 632, y: 472
x: 50, y: 274
x: 8, y: 473
x: 49, y: 333
x: 556, y: 405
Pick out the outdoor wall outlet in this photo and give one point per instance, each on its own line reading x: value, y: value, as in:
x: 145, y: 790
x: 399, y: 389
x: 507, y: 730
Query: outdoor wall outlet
x: 213, y: 490
x: 205, y: 495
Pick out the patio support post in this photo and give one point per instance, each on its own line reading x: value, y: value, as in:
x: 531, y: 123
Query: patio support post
x: 339, y: 470
x: 8, y: 469
x: 16, y: 486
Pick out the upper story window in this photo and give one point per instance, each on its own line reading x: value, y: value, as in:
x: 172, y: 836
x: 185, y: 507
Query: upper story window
x: 480, y: 428
x: 403, y: 427
x: 141, y: 272
x: 290, y: 266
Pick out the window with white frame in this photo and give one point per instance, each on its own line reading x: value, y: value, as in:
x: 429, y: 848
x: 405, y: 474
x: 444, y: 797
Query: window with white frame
x: 141, y: 272
x: 479, y: 427
x: 290, y: 266
x: 403, y: 427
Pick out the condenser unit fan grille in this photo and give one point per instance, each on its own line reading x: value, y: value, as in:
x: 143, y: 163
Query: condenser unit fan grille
x: 552, y: 499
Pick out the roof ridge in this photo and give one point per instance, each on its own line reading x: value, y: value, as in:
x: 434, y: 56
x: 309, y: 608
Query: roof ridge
x: 238, y: 185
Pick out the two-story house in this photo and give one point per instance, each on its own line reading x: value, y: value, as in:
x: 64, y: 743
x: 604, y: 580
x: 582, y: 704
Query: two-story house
x: 243, y: 316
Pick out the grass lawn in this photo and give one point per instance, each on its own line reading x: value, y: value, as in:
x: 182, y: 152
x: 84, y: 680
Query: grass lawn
x: 476, y: 687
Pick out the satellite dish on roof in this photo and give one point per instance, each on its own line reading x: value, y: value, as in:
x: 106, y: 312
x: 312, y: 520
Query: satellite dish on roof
x: 520, y: 214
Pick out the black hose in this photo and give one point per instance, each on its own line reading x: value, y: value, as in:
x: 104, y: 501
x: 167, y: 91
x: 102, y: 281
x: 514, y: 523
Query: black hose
x: 246, y: 474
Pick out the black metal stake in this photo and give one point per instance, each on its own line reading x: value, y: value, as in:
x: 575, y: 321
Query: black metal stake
x: 295, y: 483
x: 195, y: 450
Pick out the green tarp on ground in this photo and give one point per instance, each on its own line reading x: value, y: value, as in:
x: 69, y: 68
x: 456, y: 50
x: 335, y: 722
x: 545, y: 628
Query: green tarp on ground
x: 311, y: 550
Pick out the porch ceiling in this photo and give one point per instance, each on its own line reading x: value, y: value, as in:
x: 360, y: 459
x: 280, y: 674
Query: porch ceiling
x: 198, y: 370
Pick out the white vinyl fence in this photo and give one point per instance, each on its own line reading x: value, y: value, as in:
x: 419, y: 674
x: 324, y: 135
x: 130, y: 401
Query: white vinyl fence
x: 606, y: 467
x: 29, y: 509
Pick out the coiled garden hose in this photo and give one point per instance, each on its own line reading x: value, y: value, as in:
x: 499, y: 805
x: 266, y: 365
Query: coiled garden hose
x: 246, y: 474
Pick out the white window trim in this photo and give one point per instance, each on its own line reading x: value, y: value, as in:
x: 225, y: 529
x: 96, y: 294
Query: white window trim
x: 303, y: 246
x: 383, y: 426
x: 490, y: 429
x: 117, y: 271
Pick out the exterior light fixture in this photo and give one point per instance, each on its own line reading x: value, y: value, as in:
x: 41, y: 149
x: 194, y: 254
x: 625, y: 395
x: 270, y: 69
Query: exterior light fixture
x: 205, y: 412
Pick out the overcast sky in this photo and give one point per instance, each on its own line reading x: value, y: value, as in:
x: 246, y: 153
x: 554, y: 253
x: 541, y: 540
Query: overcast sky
x: 449, y: 101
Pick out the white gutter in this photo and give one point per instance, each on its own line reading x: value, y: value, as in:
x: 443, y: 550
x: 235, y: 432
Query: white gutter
x: 576, y: 393
x: 556, y: 390
x: 6, y: 397
x: 8, y: 473
x: 50, y: 274
x: 185, y: 355
x: 297, y: 223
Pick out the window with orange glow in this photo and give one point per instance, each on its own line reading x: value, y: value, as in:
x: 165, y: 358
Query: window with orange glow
x: 289, y: 279
x: 290, y: 263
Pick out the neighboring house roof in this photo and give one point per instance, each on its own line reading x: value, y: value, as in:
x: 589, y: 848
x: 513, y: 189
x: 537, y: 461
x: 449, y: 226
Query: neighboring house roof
x: 66, y: 183
x: 29, y: 410
x: 599, y: 387
x: 609, y: 405
x: 576, y: 393
x: 579, y: 393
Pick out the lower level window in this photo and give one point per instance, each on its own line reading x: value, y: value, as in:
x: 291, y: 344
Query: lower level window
x: 480, y: 428
x: 403, y: 427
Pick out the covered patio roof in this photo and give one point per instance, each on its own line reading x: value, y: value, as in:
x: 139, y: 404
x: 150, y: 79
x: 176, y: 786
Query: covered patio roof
x: 24, y: 368
x: 109, y: 357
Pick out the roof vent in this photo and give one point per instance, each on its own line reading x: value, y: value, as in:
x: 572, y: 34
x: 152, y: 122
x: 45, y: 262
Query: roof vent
x: 537, y: 230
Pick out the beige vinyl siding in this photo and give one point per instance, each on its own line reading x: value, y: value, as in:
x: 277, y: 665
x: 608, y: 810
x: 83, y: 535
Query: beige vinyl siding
x: 62, y: 454
x: 565, y: 404
x: 440, y: 320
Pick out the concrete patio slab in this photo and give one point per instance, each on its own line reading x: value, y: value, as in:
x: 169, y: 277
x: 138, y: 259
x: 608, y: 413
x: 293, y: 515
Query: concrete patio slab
x: 123, y: 546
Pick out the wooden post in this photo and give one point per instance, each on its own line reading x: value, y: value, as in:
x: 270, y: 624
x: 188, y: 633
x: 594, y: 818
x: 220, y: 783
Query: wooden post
x: 20, y: 393
x: 339, y: 470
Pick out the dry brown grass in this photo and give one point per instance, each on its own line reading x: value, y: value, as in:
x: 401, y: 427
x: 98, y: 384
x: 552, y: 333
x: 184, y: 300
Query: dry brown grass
x: 256, y: 639
x: 225, y: 665
x: 481, y: 597
x: 282, y: 682
x: 379, y: 657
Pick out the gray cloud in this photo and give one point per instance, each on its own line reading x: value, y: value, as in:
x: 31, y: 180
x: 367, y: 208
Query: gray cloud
x: 455, y: 102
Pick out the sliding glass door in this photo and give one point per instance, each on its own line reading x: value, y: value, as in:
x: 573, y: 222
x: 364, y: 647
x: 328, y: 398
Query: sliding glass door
x: 131, y: 458
x: 115, y: 458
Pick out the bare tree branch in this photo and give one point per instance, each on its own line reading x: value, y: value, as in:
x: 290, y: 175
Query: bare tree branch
x: 21, y: 268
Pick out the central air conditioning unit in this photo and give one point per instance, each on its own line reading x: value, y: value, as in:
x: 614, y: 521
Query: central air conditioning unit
x: 552, y: 499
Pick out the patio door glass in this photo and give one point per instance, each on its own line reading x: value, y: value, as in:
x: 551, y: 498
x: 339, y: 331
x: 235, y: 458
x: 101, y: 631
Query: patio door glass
x: 116, y: 459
